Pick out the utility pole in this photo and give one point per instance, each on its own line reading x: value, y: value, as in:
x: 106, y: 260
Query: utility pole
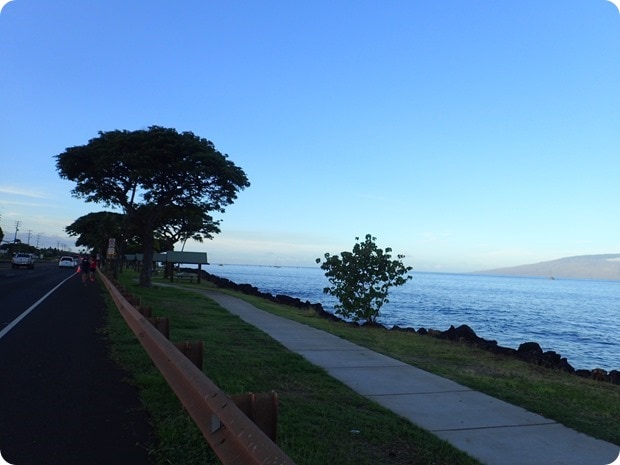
x: 17, y: 223
x: 29, y: 234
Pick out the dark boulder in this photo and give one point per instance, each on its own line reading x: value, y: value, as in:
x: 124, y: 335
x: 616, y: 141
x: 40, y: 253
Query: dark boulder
x: 465, y: 334
x: 584, y: 373
x: 287, y: 300
x: 551, y: 359
x: 248, y: 289
x: 404, y: 330
x: 320, y: 311
x: 462, y: 333
x: 373, y: 324
x: 598, y: 374
x: 501, y: 350
x: 530, y: 352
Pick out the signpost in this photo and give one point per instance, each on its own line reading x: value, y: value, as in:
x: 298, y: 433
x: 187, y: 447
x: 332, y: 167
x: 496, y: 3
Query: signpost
x: 111, y: 248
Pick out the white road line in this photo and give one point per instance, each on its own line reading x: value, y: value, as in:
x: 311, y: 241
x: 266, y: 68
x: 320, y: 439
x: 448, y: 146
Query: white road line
x: 14, y: 323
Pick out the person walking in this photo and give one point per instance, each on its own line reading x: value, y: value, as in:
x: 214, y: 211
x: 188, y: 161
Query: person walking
x: 84, y: 269
x: 92, y: 268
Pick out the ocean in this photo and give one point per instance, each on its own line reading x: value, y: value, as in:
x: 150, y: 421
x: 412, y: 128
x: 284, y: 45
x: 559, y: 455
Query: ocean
x: 579, y: 319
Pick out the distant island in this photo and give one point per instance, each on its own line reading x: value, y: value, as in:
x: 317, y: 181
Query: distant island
x: 606, y: 266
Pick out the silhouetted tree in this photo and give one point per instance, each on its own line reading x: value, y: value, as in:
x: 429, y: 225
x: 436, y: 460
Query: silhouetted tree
x: 155, y: 176
x: 94, y: 231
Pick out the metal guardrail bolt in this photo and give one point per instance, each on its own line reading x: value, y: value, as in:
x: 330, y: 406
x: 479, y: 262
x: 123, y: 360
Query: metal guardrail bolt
x: 215, y: 423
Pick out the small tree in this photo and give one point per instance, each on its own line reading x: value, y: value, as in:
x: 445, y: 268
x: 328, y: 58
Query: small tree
x: 360, y: 279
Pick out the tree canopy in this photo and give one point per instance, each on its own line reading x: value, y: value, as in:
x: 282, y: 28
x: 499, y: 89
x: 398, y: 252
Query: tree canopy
x: 95, y: 229
x: 186, y: 223
x: 158, y: 177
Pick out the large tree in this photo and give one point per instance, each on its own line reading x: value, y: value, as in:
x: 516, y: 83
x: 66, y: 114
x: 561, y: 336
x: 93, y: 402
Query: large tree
x: 157, y: 176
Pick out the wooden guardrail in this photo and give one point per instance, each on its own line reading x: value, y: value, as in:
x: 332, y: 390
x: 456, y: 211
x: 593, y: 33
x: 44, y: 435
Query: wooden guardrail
x: 234, y: 438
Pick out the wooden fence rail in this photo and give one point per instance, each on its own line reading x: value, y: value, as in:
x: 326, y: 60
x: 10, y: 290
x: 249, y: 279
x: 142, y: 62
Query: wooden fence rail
x: 234, y: 438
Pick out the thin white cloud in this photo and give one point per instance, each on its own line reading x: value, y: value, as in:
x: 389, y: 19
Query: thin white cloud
x: 432, y: 236
x: 27, y: 204
x: 12, y: 190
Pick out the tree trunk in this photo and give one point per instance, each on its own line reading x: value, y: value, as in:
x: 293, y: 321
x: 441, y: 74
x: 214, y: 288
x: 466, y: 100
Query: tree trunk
x: 169, y: 270
x: 147, y: 260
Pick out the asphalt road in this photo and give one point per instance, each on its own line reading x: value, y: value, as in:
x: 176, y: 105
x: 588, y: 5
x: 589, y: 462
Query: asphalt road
x: 62, y: 400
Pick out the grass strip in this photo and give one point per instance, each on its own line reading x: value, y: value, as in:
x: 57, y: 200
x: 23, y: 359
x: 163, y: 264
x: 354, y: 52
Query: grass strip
x: 588, y: 406
x: 321, y: 421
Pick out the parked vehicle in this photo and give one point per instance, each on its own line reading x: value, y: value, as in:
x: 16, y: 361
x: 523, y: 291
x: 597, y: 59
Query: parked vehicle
x: 22, y: 259
x: 66, y: 262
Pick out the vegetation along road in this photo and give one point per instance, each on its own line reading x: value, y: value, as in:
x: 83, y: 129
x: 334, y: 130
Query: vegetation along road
x: 321, y: 421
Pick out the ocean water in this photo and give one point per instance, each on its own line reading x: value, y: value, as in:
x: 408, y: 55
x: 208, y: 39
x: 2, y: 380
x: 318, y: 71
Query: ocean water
x: 579, y: 319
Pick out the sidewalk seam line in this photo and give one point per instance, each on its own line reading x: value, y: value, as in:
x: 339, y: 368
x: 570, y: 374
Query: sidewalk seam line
x: 421, y: 393
x: 550, y: 423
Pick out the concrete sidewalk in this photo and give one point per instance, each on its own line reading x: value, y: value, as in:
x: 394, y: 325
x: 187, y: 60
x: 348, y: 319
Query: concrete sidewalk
x: 493, y: 431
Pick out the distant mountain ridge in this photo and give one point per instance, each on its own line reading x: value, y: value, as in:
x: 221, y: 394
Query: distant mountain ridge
x: 605, y: 266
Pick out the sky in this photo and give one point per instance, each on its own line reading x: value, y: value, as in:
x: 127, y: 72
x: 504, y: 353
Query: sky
x: 465, y: 135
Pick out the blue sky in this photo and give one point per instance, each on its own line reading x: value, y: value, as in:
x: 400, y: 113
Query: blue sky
x: 466, y: 135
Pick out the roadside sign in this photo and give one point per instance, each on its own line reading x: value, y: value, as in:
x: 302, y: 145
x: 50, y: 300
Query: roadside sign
x: 111, y: 248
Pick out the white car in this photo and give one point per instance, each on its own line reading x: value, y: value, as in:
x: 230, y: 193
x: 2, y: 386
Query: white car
x: 22, y: 259
x: 66, y: 262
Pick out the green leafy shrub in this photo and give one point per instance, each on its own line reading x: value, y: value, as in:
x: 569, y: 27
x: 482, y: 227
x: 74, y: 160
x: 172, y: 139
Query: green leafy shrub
x: 360, y: 279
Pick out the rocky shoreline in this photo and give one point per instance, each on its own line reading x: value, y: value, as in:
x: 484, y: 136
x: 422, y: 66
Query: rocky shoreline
x: 530, y: 352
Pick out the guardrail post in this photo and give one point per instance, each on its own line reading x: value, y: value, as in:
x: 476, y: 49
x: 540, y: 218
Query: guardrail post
x: 162, y: 324
x: 262, y: 409
x: 145, y: 311
x: 235, y: 439
x: 134, y: 301
x: 192, y: 350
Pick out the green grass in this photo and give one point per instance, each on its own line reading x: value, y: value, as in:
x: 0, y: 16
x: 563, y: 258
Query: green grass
x: 586, y: 405
x: 322, y: 421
